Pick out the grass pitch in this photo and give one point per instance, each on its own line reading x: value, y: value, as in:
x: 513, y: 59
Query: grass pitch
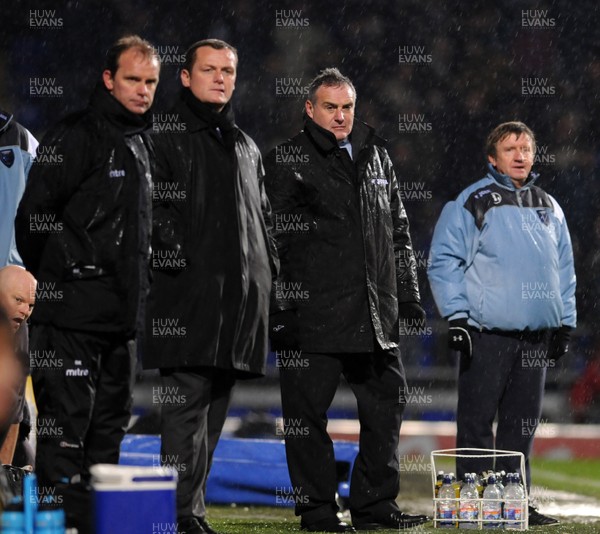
x: 259, y: 520
x: 575, y: 476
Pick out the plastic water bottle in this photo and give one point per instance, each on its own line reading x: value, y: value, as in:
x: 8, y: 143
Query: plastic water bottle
x: 518, y: 481
x: 492, y: 504
x: 469, y: 509
x: 447, y: 504
x: 438, y: 482
x: 514, y: 496
x: 499, y: 483
x: 478, y: 484
x: 456, y: 484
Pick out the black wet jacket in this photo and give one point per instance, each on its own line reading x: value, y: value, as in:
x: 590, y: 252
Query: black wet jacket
x: 83, y: 225
x: 343, y: 240
x: 212, y: 255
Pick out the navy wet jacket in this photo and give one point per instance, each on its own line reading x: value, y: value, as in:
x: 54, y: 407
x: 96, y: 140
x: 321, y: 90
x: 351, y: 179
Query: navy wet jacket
x: 502, y: 257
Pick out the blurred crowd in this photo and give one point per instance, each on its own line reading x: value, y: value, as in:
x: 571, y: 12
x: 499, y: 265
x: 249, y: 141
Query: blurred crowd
x: 455, y: 69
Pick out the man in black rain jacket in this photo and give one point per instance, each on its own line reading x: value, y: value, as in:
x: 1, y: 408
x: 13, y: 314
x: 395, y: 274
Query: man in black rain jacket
x: 348, y: 276
x: 83, y: 229
x: 213, y: 263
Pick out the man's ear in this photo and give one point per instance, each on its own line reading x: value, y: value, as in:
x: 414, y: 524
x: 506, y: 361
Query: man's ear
x: 108, y: 80
x: 185, y: 77
x: 492, y: 160
x: 308, y: 107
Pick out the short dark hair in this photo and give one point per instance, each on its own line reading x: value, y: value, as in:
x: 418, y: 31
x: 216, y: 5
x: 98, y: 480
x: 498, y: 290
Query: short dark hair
x: 122, y: 45
x: 502, y: 131
x: 217, y: 44
x: 330, y: 77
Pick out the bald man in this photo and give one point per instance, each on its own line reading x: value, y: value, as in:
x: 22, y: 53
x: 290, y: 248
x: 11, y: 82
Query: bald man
x: 17, y: 294
x: 17, y: 298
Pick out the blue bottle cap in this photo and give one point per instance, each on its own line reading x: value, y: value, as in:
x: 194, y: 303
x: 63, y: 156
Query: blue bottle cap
x: 13, y: 520
x: 50, y: 519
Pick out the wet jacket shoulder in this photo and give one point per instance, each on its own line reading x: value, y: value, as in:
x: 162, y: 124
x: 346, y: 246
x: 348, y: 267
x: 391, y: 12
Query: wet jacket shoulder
x: 14, y: 134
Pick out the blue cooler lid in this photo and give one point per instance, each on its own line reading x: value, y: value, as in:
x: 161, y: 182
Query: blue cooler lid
x: 123, y: 477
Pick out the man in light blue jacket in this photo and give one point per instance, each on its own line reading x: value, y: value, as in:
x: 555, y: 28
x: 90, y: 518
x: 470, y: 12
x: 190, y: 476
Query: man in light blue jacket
x: 502, y: 274
x: 17, y: 150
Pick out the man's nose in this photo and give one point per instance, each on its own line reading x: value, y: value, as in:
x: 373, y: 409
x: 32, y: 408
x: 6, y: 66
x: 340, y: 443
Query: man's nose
x: 339, y: 115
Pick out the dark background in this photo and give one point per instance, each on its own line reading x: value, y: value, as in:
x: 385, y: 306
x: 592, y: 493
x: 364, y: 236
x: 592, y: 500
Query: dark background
x: 477, y: 58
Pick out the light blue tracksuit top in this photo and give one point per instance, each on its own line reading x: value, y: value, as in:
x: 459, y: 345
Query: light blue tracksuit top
x: 502, y: 257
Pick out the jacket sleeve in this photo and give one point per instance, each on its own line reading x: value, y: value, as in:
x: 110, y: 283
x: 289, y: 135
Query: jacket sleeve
x: 167, y: 227
x: 280, y: 186
x: 452, y: 250
x: 406, y: 265
x: 268, y: 218
x: 28, y: 145
x: 48, y: 190
x: 566, y: 269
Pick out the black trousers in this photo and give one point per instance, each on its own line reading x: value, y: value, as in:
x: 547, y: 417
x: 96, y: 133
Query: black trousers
x: 505, y: 376
x: 193, y: 415
x: 307, y: 390
x: 83, y: 384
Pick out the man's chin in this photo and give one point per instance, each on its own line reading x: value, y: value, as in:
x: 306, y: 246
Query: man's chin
x: 340, y: 136
x: 139, y: 110
x: 216, y: 100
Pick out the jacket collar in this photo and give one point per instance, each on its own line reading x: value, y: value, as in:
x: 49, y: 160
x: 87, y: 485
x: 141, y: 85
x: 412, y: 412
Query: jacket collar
x: 505, y: 181
x: 5, y: 119
x: 116, y: 113
x: 197, y: 119
x: 362, y: 135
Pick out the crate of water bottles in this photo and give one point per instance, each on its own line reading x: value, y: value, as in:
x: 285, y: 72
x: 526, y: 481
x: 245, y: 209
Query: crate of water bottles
x: 486, y: 500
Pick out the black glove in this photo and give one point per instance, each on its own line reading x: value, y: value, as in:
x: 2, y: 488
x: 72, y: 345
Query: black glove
x: 459, y: 337
x: 411, y: 310
x: 282, y: 330
x: 559, y: 342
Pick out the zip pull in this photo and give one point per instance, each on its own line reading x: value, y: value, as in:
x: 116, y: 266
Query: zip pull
x: 519, y: 201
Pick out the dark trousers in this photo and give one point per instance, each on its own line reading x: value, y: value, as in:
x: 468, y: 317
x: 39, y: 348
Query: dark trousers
x: 506, y: 377
x: 192, y: 419
x: 83, y: 384
x: 307, y: 390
